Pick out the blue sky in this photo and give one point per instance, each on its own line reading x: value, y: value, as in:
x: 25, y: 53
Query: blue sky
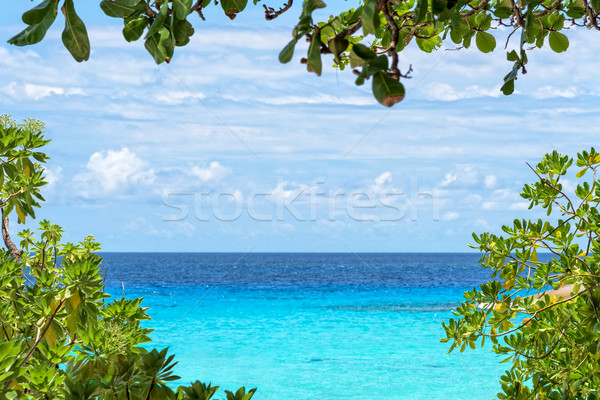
x: 227, y: 150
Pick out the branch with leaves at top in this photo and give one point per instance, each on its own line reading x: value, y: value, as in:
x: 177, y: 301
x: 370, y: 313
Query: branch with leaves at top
x: 388, y: 27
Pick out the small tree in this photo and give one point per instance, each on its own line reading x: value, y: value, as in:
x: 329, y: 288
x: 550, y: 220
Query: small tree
x: 552, y: 342
x: 61, y: 335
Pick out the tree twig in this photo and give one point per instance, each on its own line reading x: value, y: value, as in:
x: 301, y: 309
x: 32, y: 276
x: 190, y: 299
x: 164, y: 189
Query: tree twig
x: 14, y: 251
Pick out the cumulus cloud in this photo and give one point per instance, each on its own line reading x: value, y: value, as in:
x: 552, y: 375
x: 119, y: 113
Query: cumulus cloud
x: 113, y: 172
x: 38, y: 92
x: 445, y: 92
x: 548, y: 92
x: 176, y: 97
x: 462, y: 176
x: 465, y: 176
x: 490, y: 181
x: 319, y: 98
x: 450, y: 216
x: 504, y: 199
x: 210, y: 173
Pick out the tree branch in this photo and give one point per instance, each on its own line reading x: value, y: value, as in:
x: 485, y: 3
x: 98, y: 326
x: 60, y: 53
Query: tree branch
x: 14, y: 251
x: 271, y: 14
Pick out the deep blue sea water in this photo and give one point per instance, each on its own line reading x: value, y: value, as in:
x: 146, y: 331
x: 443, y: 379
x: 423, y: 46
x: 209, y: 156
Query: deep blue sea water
x: 311, y: 326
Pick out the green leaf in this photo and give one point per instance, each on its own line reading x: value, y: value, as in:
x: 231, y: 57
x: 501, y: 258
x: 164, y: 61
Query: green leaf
x: 74, y: 36
x: 160, y: 46
x: 363, y: 51
x: 509, y: 87
x: 485, y: 42
x: 35, y: 33
x: 337, y: 46
x: 39, y: 12
x: 421, y: 11
x: 376, y: 64
x: 134, y: 29
x: 121, y: 8
x: 309, y: 6
x: 428, y: 45
x: 181, y: 8
x: 558, y: 42
x: 504, y: 9
x: 233, y: 7
x: 182, y: 31
x: 287, y: 53
x: 512, y: 56
x: 158, y: 20
x: 577, y: 10
x: 370, y: 17
x: 386, y: 90
x: 314, y: 63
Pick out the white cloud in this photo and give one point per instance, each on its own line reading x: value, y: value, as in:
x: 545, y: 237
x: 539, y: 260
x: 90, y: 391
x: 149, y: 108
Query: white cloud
x: 52, y: 175
x: 547, y: 92
x: 213, y: 172
x: 490, y: 181
x: 481, y: 223
x: 319, y: 98
x: 450, y: 215
x: 113, y: 171
x: 38, y: 92
x: 463, y: 176
x: 175, y: 97
x: 384, y: 178
x: 504, y: 199
x: 520, y: 206
x: 445, y: 92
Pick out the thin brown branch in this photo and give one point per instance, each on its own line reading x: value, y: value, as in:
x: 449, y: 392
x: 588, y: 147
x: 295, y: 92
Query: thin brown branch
x: 40, y: 334
x: 271, y: 13
x: 14, y: 251
x: 394, y: 71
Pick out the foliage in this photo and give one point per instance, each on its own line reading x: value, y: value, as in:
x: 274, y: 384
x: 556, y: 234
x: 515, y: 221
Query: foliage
x: 369, y: 36
x: 61, y: 335
x: 552, y: 342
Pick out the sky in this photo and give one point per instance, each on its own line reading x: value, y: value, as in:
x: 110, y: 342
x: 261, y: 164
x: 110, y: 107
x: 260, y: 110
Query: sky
x: 225, y: 149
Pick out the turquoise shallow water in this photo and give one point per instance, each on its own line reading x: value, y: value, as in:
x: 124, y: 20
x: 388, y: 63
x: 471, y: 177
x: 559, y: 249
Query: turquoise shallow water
x: 312, y: 326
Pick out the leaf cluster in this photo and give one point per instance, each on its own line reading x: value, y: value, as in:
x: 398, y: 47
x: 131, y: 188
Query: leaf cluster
x: 61, y: 335
x: 550, y: 341
x: 387, y: 27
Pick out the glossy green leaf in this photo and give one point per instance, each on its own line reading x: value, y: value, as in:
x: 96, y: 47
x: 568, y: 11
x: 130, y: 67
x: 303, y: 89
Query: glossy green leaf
x: 35, y: 33
x: 182, y: 31
x: 233, y: 7
x: 503, y: 10
x: 287, y: 53
x: 428, y: 45
x: 160, y: 45
x: 181, y: 8
x: 508, y: 88
x: 135, y: 29
x: 363, y: 51
x: 370, y: 17
x: 558, y: 42
x: 337, y: 46
x: 37, y: 14
x: 121, y: 8
x: 485, y: 42
x: 158, y: 21
x: 386, y: 90
x: 421, y: 11
x: 74, y: 36
x: 314, y: 63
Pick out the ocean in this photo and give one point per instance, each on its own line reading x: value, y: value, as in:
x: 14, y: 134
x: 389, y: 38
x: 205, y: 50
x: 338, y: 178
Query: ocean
x: 311, y: 326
